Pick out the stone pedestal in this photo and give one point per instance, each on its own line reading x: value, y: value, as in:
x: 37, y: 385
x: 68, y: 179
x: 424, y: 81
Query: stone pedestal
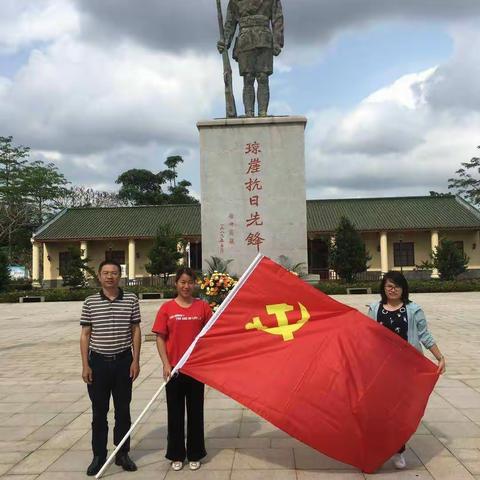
x: 253, y: 189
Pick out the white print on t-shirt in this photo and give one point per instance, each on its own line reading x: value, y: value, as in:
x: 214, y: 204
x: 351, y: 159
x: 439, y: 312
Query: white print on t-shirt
x: 181, y: 317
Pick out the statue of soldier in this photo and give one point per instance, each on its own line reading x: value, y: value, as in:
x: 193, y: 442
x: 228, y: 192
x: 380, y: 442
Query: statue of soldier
x: 260, y: 38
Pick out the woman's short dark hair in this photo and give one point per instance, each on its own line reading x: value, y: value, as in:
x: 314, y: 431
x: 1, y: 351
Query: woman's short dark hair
x: 109, y: 262
x: 186, y: 271
x: 399, y: 280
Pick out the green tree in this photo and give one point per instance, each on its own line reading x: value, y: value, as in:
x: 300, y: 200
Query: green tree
x: 12, y: 163
x: 348, y: 255
x: 467, y: 181
x: 143, y: 187
x: 14, y: 213
x: 449, y: 260
x: 164, y: 255
x: 76, y: 269
x: 43, y: 184
x: 4, y: 272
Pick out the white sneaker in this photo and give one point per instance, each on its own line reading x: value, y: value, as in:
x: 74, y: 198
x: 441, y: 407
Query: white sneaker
x: 194, y: 465
x: 399, y: 461
x: 177, y: 466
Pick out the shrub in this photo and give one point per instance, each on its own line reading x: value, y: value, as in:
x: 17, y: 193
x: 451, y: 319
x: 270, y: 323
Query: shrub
x: 449, y: 260
x: 348, y: 255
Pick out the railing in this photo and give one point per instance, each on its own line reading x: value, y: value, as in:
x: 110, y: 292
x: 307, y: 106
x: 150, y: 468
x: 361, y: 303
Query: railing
x: 153, y: 281
x: 329, y: 275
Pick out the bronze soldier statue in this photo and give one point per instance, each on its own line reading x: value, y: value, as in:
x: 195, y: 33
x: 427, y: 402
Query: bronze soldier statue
x: 260, y: 38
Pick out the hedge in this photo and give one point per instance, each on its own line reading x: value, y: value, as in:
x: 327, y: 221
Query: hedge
x: 415, y: 286
x: 68, y: 295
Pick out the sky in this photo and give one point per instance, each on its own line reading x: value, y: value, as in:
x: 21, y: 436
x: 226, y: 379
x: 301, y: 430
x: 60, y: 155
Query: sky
x: 390, y: 89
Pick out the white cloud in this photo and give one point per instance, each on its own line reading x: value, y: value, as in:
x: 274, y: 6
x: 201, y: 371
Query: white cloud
x: 406, y: 138
x: 25, y: 22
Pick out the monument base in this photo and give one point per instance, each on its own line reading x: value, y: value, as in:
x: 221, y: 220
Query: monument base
x: 253, y: 189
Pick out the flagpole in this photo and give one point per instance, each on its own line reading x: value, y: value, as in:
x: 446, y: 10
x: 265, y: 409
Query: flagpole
x: 185, y: 356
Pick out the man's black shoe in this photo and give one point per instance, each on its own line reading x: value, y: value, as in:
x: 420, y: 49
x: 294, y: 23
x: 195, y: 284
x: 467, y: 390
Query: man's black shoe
x: 95, y: 466
x: 125, y: 462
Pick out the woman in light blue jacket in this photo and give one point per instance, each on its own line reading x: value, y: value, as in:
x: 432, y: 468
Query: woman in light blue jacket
x: 396, y: 312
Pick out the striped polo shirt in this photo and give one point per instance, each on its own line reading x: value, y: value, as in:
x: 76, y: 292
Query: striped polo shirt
x: 111, y: 321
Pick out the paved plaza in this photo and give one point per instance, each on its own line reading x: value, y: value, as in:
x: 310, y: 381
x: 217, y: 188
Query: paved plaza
x: 45, y: 410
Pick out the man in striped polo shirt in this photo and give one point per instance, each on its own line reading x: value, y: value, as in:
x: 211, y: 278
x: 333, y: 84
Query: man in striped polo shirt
x: 110, y: 347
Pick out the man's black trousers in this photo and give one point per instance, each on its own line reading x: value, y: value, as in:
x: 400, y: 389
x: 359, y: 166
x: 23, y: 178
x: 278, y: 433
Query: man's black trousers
x: 182, y: 390
x: 111, y: 376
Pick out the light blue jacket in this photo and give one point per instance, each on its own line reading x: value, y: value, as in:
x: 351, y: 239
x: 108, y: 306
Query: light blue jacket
x: 418, y: 333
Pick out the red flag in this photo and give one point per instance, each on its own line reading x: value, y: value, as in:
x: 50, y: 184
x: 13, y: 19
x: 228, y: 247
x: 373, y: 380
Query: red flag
x: 319, y: 370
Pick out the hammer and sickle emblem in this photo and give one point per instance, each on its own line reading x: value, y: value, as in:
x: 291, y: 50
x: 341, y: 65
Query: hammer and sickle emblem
x: 284, y: 329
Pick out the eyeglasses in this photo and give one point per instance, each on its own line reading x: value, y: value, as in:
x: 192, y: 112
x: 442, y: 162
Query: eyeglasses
x: 392, y: 287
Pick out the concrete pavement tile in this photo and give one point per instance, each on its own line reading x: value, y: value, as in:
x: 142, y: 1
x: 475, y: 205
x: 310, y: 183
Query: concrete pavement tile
x: 5, y: 467
x: 63, y: 419
x: 64, y: 475
x: 456, y: 443
x: 227, y: 415
x: 436, y: 401
x: 453, y: 429
x: 467, y: 454
x: 406, y: 474
x: 12, y: 457
x: 447, y: 468
x: 473, y: 467
x: 23, y: 397
x: 444, y: 415
x: 254, y: 442
x: 220, y: 430
x: 63, y: 439
x: 71, y: 461
x: 265, y: 475
x: 221, y: 404
x: 49, y: 407
x: 16, y: 433
x: 19, y: 477
x: 218, y: 459
x: 427, y: 447
x: 307, y: 458
x: 464, y: 397
x: 250, y: 429
x: 198, y: 475
x: 7, y: 407
x: 19, y: 446
x: 288, y: 442
x: 27, y: 419
x: 44, y: 433
x: 263, y: 459
x: 37, y: 462
x: 331, y: 474
x: 472, y: 413
x: 81, y: 421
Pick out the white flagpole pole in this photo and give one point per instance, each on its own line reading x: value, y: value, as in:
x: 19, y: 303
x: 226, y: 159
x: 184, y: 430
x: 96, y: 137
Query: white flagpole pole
x: 185, y: 356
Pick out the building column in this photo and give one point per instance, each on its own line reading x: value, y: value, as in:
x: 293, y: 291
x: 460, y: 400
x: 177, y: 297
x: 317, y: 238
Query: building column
x: 384, y: 253
x: 187, y: 254
x: 84, y: 249
x: 131, y: 259
x: 434, y: 243
x: 47, y: 271
x: 36, y: 264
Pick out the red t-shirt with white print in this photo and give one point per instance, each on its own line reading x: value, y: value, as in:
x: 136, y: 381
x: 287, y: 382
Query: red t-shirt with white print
x: 180, y: 325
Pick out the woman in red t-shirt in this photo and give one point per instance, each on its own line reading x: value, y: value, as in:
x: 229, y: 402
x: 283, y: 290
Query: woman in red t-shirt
x: 177, y: 324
